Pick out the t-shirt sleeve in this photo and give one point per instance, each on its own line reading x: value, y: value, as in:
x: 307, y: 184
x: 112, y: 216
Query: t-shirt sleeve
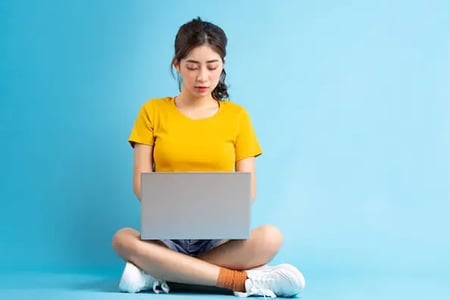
x: 142, y: 131
x: 247, y: 144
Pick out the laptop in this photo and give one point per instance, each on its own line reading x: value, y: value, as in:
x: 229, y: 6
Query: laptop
x: 195, y: 205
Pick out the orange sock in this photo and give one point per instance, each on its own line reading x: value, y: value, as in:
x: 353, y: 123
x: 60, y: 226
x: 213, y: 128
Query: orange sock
x: 233, y: 280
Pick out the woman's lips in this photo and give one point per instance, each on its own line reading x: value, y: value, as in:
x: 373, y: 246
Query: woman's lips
x: 201, y: 88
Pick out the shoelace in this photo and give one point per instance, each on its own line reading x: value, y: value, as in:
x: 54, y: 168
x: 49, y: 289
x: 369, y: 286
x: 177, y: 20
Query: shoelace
x: 266, y: 279
x: 261, y: 292
x: 160, y: 286
x: 262, y: 281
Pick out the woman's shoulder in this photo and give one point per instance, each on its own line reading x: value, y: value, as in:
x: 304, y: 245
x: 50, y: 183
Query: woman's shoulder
x: 233, y: 107
x: 158, y: 102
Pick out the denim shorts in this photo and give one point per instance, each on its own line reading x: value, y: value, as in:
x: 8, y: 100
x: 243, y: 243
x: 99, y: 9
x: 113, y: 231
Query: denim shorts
x: 191, y: 247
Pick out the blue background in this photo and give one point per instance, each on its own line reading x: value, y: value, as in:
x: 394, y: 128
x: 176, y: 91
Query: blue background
x: 350, y: 100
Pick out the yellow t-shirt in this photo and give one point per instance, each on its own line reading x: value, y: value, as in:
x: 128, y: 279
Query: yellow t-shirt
x: 183, y: 144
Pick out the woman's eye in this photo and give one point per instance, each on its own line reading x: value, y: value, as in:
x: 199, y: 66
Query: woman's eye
x: 194, y: 67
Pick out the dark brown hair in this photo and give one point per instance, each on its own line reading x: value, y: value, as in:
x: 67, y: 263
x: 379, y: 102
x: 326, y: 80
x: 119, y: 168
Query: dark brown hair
x: 197, y: 33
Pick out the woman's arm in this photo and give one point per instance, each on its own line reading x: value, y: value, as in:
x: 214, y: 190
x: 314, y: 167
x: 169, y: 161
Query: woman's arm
x: 248, y: 165
x: 143, y: 162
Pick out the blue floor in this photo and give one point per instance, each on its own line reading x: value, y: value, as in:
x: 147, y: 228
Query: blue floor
x: 72, y: 286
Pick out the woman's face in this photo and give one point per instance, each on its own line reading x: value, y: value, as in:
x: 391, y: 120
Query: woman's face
x: 200, y: 71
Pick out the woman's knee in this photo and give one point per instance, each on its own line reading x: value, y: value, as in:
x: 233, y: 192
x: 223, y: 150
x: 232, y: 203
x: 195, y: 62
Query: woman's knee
x: 270, y: 237
x: 123, y: 238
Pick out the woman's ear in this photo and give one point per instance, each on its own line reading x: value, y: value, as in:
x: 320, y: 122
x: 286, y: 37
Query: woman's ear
x: 176, y: 65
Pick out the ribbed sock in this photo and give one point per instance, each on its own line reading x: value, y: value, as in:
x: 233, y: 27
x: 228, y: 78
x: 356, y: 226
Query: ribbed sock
x: 233, y: 280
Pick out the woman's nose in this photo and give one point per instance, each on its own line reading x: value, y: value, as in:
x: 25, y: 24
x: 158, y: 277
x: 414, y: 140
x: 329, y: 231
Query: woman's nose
x: 202, y: 75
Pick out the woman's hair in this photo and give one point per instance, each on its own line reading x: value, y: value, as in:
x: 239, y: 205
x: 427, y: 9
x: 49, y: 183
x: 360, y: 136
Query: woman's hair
x: 197, y: 33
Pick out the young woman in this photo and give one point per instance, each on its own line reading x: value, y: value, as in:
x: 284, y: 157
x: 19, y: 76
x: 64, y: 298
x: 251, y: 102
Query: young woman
x: 199, y: 130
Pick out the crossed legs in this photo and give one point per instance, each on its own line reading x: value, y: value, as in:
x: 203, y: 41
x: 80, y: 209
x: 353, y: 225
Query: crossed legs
x: 156, y: 259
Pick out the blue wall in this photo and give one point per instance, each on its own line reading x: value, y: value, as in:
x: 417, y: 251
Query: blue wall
x: 351, y: 102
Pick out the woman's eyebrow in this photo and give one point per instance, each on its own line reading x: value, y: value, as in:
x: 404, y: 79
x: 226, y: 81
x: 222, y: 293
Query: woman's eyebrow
x: 197, y: 62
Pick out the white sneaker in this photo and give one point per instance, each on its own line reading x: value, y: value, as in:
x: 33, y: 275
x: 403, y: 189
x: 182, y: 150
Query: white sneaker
x: 278, y: 281
x: 134, y: 280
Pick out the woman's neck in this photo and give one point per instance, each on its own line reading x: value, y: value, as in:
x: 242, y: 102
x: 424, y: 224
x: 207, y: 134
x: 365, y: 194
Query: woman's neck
x: 183, y: 100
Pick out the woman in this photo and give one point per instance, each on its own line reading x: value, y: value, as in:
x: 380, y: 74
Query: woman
x: 199, y: 131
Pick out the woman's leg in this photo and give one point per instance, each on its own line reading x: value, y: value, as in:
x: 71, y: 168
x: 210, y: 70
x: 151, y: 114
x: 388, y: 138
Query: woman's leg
x: 166, y: 264
x: 259, y: 249
x: 163, y: 263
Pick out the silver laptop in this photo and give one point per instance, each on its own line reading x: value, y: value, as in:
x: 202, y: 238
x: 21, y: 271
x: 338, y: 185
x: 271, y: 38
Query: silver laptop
x: 195, y: 205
